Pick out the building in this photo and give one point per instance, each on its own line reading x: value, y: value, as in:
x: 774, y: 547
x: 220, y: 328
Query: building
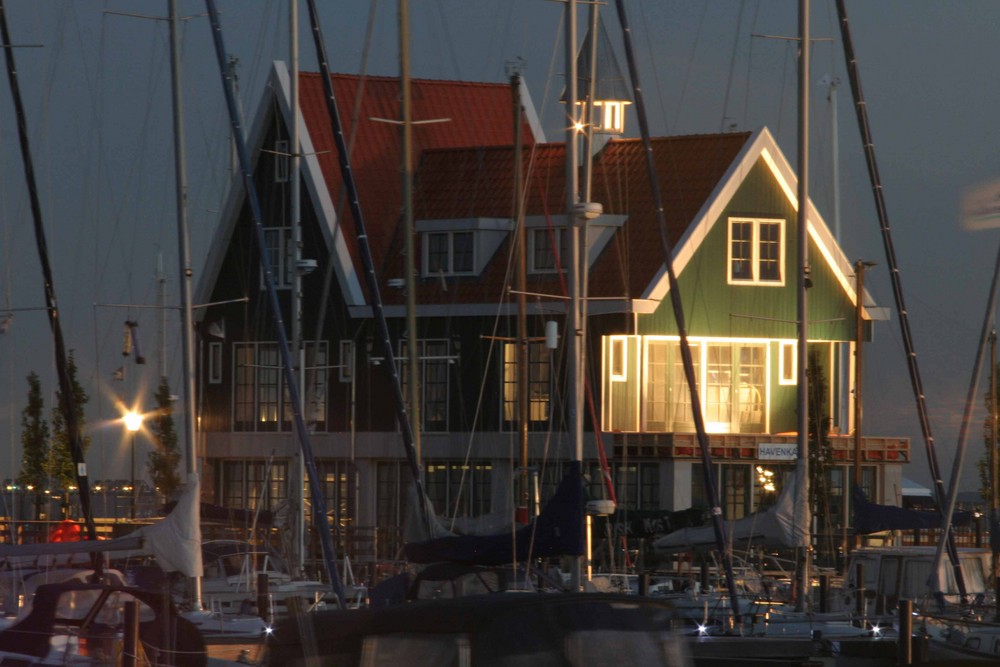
x: 730, y: 211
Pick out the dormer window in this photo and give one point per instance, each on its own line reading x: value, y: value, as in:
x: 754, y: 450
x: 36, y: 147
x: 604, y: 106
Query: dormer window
x: 756, y: 251
x: 449, y: 253
x: 547, y: 249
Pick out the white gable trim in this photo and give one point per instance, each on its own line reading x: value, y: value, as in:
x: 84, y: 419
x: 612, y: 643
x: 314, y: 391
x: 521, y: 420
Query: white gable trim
x: 231, y: 210
x: 319, y: 193
x: 761, y: 145
x: 530, y: 114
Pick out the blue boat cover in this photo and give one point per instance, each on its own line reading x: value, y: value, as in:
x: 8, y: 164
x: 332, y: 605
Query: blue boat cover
x: 870, y: 517
x: 558, y: 531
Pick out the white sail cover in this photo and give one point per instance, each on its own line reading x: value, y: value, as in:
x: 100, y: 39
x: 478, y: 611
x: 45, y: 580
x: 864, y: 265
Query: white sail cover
x: 776, y: 526
x: 175, y: 541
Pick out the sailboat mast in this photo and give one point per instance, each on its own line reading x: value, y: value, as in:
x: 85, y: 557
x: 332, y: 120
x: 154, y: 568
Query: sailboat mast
x: 298, y: 347
x: 574, y: 372
x: 711, y: 488
x: 868, y: 143
x: 320, y: 518
x: 406, y: 130
x: 523, y: 378
x: 186, y: 272
x: 803, y: 515
x: 994, y: 469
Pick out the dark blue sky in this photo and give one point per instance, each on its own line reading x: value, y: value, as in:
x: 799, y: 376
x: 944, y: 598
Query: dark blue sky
x: 98, y: 96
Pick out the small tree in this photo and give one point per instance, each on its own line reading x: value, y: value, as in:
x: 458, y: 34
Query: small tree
x: 819, y: 450
x: 163, y: 460
x: 34, y: 440
x: 61, y: 467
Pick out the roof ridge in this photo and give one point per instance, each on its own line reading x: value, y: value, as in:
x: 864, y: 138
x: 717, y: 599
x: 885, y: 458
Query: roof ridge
x: 388, y: 78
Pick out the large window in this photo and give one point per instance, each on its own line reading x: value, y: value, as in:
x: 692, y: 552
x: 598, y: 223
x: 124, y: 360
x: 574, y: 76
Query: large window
x: 434, y: 359
x: 337, y: 481
x: 637, y: 485
x: 458, y: 489
x: 260, y: 401
x: 253, y: 484
x: 756, y: 251
x: 539, y: 385
x: 731, y: 382
x: 449, y: 253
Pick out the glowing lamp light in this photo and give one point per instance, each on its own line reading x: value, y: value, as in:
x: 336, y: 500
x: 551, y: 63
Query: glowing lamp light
x: 611, y: 92
x: 766, y: 478
x: 133, y: 421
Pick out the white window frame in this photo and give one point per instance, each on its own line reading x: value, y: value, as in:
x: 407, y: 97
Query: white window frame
x: 263, y: 375
x: 450, y: 271
x: 788, y: 376
x: 700, y: 357
x: 215, y: 362
x: 755, y: 259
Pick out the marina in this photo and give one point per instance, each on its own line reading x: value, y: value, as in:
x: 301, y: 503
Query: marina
x: 503, y: 369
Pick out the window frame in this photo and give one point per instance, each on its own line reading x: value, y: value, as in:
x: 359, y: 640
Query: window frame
x: 215, y: 362
x: 561, y: 234
x: 259, y: 391
x: 756, y: 260
x: 788, y: 376
x: 450, y: 253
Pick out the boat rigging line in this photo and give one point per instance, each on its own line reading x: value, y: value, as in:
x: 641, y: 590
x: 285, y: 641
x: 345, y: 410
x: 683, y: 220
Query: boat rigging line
x: 722, y: 542
x: 364, y: 248
x: 319, y: 513
x: 68, y: 403
x: 854, y: 77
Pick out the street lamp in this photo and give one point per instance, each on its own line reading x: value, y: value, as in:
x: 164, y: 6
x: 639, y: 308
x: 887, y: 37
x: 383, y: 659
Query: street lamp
x: 133, y: 422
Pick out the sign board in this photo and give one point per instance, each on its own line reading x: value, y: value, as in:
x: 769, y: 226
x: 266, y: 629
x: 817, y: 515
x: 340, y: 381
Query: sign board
x: 777, y: 451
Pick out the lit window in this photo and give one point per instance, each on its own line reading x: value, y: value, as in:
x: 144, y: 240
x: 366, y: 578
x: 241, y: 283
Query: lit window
x: 756, y: 251
x: 260, y: 399
x: 618, y: 360
x: 787, y: 362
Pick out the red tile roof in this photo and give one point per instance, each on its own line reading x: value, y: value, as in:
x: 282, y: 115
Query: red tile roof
x: 480, y: 114
x: 478, y: 182
x: 464, y: 170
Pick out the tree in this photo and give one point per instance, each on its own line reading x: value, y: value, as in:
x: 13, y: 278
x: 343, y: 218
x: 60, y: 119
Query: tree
x: 819, y: 451
x: 163, y: 460
x: 62, y: 470
x: 34, y: 440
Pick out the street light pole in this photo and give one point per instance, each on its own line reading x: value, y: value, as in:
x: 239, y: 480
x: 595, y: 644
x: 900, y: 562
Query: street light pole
x: 133, y: 422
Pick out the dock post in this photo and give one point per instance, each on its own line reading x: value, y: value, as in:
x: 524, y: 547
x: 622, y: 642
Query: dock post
x: 859, y: 592
x: 130, y: 650
x: 905, y: 632
x: 263, y: 597
x: 824, y: 593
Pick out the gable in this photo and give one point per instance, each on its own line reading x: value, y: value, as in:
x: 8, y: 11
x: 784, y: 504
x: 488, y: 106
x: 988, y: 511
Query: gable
x: 472, y: 113
x: 759, y: 186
